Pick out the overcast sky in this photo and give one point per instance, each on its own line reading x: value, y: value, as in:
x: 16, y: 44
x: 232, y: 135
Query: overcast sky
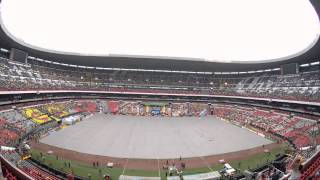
x: 246, y: 30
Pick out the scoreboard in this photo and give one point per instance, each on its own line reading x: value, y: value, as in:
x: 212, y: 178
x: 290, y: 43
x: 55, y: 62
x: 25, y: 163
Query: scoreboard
x: 292, y: 68
x: 18, y: 55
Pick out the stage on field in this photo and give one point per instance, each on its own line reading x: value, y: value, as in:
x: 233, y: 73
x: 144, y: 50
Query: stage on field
x: 154, y: 137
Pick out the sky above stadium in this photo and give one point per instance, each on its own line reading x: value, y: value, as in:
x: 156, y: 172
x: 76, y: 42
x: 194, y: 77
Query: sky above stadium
x: 215, y: 30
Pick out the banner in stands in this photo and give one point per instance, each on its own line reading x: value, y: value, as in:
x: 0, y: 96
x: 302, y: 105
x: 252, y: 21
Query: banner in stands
x: 113, y: 106
x: 155, y: 112
x: 158, y: 104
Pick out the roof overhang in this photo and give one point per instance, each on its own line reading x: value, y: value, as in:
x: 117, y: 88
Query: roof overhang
x: 310, y: 54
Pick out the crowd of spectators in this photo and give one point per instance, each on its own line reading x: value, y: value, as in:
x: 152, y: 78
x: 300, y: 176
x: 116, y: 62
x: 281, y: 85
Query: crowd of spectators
x: 12, y: 126
x: 15, y: 128
x: 130, y: 108
x: 300, y: 131
x: 164, y: 109
x: 16, y: 151
x: 304, y: 86
x: 297, y: 128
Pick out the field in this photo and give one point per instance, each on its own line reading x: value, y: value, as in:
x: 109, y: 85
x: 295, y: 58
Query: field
x: 154, y: 137
x: 140, y: 146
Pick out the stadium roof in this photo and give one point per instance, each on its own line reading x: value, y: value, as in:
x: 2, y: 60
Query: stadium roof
x: 8, y: 41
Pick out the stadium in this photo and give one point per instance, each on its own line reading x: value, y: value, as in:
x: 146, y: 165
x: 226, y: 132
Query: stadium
x: 76, y: 116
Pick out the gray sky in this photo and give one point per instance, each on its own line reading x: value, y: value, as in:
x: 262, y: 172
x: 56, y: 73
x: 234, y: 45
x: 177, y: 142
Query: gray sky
x: 247, y: 30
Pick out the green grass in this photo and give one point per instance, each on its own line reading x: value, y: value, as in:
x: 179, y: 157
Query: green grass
x: 251, y: 162
x: 134, y: 172
x: 81, y: 169
x: 258, y: 160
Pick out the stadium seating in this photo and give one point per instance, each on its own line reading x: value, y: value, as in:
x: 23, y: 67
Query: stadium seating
x: 30, y: 169
x: 296, y: 129
x: 85, y: 106
x: 36, y: 115
x: 12, y: 128
x: 304, y: 86
x: 113, y: 106
x: 311, y: 167
x: 56, y: 109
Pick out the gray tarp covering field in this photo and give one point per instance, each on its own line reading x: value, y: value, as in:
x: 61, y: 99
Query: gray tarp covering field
x: 154, y: 137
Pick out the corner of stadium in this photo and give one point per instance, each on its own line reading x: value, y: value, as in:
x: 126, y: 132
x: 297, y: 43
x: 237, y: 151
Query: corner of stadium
x: 68, y: 116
